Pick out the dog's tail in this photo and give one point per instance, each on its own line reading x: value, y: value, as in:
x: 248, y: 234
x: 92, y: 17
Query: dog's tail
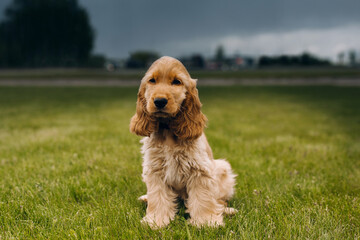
x: 226, y: 179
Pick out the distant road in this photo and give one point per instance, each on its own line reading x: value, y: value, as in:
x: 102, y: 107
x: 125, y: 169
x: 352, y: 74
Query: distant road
x: 201, y: 82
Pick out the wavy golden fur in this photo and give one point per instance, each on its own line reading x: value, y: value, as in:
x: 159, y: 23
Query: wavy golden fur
x: 178, y: 161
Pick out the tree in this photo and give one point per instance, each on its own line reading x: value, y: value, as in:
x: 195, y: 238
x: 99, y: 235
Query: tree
x: 220, y: 54
x: 352, y: 58
x: 141, y: 59
x: 198, y: 61
x: 45, y: 33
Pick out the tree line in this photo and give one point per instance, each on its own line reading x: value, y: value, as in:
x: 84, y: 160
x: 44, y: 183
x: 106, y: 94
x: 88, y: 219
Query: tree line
x: 302, y: 60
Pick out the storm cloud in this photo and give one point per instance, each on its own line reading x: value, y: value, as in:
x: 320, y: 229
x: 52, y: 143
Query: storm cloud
x: 175, y: 28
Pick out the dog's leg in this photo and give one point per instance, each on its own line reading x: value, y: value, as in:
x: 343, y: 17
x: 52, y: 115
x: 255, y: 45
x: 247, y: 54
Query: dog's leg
x: 161, y: 200
x: 202, y: 204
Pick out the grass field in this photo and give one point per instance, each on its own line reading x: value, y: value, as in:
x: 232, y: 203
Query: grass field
x: 70, y: 169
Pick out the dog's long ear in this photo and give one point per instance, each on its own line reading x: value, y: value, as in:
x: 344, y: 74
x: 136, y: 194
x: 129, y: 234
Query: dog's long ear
x: 190, y: 122
x: 141, y: 123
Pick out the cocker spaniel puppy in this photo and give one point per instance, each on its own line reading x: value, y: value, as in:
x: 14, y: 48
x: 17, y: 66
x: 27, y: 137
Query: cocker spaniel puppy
x: 178, y: 161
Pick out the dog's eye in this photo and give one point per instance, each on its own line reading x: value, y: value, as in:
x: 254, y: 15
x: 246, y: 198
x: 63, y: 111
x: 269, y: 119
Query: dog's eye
x: 176, y: 82
x: 152, y: 80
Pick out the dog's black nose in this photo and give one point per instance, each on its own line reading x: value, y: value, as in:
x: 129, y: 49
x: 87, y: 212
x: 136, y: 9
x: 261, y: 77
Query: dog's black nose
x: 160, y: 102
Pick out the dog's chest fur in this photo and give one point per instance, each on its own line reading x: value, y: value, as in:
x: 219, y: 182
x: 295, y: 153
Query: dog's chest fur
x: 172, y: 159
x: 177, y: 168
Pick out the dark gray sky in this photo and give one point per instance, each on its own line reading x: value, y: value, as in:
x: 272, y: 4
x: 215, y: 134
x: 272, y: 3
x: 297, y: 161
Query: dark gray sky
x: 324, y: 27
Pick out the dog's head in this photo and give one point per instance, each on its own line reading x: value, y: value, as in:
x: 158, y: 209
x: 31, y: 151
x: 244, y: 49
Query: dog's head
x: 168, y: 94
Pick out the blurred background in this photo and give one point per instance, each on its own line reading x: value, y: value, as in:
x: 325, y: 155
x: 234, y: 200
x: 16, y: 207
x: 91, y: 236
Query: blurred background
x: 234, y: 36
x: 70, y: 168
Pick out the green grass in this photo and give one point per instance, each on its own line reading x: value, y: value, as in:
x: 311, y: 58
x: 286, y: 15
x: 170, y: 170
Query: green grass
x: 70, y: 169
x: 288, y: 73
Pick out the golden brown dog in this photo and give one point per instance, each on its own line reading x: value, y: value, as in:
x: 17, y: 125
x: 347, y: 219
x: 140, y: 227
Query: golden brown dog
x: 178, y: 161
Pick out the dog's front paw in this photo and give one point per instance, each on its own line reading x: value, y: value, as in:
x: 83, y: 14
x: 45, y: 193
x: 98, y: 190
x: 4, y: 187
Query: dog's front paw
x: 155, y: 222
x: 211, y: 221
